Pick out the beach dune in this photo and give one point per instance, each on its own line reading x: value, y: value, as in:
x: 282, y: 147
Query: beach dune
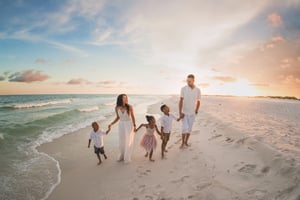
x: 221, y: 164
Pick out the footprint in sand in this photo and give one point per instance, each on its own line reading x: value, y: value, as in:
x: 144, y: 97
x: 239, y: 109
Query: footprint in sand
x: 195, y: 158
x: 265, y: 169
x: 229, y: 140
x: 257, y: 193
x: 203, y: 186
x: 247, y: 168
x: 148, y: 197
x: 242, y: 141
x: 142, y: 172
x: 214, y: 137
x: 182, y: 179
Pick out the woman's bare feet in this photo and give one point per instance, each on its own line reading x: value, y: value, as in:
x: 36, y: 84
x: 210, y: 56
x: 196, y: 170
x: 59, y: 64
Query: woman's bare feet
x: 152, y: 160
x: 166, y: 151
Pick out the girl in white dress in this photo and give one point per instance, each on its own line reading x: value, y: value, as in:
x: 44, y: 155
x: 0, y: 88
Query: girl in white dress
x: 124, y: 114
x: 149, y: 140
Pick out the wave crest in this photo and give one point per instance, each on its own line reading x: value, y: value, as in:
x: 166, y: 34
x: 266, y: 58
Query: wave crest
x: 42, y: 104
x: 91, y: 109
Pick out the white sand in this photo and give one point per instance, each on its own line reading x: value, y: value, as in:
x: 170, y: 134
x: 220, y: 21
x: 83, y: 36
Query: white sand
x: 221, y: 164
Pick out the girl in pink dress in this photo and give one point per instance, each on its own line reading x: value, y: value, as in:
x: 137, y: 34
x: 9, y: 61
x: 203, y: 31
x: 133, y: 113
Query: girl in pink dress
x: 149, y: 141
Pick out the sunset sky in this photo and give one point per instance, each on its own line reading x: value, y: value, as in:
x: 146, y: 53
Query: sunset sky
x: 233, y: 47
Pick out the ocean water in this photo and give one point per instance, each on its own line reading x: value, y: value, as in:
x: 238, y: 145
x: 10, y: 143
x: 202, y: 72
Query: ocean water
x: 274, y: 122
x: 27, y: 121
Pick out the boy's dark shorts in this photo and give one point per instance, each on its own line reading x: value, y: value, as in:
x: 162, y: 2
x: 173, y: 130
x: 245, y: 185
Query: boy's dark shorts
x: 99, y: 150
x: 166, y: 137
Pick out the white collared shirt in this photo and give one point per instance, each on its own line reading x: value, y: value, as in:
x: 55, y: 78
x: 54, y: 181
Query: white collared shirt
x: 166, y: 122
x: 190, y: 97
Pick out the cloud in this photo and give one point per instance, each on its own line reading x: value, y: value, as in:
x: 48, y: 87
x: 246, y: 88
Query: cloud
x: 278, y: 39
x: 224, y: 78
x: 107, y: 82
x: 260, y: 84
x: 204, y: 85
x: 70, y: 61
x: 199, y: 33
x: 28, y: 76
x: 272, y: 43
x: 278, y: 67
x: 274, y: 19
x: 2, y: 78
x: 40, y: 60
x: 78, y: 81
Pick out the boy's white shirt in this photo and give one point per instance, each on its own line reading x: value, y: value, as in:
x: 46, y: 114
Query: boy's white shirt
x: 166, y: 122
x: 97, y: 138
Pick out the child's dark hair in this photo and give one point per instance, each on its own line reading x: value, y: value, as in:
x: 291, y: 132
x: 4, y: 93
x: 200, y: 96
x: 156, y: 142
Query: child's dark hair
x: 94, y: 123
x: 163, y: 107
x: 149, y: 118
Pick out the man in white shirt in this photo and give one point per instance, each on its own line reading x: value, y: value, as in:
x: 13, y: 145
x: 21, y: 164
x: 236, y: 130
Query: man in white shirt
x: 189, y: 105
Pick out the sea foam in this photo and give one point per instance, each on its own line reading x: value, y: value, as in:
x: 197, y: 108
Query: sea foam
x: 42, y: 104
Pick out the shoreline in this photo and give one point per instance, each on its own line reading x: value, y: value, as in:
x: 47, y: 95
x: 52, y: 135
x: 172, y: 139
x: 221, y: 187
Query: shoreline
x: 232, y: 165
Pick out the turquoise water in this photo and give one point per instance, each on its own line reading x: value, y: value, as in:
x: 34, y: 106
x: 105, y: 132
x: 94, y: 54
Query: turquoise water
x: 26, y: 121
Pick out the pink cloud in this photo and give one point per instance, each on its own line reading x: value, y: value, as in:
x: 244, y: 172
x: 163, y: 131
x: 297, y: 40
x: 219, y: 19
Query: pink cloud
x: 224, y: 78
x: 78, y: 81
x: 40, y: 60
x: 278, y: 39
x: 204, y: 85
x: 28, y: 76
x: 272, y: 43
x: 274, y: 19
x: 260, y: 84
x: 107, y: 82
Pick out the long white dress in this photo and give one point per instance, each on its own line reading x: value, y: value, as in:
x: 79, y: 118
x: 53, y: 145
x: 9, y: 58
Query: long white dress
x: 126, y: 136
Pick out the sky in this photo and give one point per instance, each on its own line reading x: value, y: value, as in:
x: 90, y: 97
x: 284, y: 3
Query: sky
x: 233, y: 47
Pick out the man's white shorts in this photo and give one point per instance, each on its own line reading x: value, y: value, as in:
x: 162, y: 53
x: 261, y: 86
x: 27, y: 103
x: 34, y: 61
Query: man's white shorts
x: 187, y: 123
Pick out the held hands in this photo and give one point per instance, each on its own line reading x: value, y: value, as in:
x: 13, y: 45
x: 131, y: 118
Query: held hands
x: 109, y: 128
x: 181, y: 116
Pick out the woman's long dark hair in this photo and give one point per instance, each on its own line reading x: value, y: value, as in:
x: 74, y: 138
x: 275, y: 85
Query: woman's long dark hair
x: 121, y: 103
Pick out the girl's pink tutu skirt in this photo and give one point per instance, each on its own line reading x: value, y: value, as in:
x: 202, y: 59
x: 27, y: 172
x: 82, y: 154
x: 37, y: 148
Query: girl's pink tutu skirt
x: 149, y: 142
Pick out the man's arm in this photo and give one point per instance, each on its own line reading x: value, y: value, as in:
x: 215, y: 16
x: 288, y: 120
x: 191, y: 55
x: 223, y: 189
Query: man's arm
x: 197, y: 106
x: 198, y: 101
x: 181, y: 115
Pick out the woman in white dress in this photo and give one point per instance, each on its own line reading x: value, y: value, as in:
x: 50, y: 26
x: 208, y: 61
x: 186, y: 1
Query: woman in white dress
x: 124, y: 114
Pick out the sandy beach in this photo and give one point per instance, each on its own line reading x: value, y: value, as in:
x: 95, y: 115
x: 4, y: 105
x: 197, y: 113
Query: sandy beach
x: 221, y: 163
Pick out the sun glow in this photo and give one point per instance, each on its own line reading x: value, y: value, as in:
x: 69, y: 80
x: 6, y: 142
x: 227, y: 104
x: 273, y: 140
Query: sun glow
x: 240, y: 88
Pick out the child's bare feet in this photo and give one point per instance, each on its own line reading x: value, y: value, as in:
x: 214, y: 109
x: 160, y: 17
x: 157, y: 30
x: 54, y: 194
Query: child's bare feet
x: 105, y: 156
x: 181, y: 146
x: 146, y: 155
x: 99, y: 163
x: 187, y: 145
x: 152, y: 160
